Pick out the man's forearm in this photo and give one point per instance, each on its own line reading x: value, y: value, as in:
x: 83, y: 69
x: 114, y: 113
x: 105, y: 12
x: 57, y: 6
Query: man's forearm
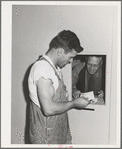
x: 60, y: 107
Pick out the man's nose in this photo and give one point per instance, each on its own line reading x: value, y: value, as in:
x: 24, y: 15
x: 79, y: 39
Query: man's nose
x: 92, y: 67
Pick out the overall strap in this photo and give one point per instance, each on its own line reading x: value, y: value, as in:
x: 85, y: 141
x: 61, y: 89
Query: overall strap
x: 42, y: 58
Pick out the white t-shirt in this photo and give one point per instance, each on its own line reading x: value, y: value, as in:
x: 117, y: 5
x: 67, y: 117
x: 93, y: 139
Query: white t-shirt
x: 43, y: 69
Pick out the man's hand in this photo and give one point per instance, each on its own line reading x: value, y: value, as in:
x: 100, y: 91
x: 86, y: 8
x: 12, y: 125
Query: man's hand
x: 101, y: 94
x: 76, y: 94
x: 81, y: 102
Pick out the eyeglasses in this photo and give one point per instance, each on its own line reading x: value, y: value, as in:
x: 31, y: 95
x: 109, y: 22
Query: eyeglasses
x: 93, y: 65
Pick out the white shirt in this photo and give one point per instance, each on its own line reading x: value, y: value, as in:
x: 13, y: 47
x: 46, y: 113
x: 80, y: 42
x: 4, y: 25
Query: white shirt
x: 43, y: 69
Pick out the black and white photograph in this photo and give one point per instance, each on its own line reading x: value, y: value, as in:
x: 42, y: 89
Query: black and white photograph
x: 88, y: 77
x: 60, y: 75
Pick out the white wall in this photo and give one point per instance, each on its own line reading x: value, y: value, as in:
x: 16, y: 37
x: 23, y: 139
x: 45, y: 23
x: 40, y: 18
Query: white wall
x: 33, y: 27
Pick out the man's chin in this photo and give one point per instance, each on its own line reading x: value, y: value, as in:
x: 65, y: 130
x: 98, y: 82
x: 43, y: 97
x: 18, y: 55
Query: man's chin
x: 91, y: 73
x: 61, y: 67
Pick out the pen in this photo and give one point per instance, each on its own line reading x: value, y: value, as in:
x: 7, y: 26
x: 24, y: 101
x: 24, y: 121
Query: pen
x: 88, y: 109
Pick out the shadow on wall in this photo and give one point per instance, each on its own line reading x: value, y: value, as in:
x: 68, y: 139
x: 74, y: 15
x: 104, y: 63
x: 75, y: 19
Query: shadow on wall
x: 27, y: 99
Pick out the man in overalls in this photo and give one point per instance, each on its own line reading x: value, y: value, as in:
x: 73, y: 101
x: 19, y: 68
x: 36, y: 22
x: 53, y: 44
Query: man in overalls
x: 49, y: 98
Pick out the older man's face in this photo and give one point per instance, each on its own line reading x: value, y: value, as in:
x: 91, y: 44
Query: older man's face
x: 93, y: 64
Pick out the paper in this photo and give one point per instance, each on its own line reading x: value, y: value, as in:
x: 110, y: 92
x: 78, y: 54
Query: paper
x: 90, y: 96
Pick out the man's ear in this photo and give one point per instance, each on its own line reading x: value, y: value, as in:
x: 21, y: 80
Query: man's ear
x: 60, y: 51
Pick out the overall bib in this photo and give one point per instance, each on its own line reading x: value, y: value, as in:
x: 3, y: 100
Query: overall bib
x: 52, y: 129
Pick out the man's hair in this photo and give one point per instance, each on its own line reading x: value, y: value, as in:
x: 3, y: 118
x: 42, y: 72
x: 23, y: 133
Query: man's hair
x: 98, y: 56
x: 67, y: 40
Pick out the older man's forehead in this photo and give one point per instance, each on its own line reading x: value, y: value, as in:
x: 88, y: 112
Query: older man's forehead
x: 94, y: 59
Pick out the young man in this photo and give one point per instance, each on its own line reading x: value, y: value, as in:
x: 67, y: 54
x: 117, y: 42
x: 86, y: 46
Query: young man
x: 49, y: 99
x: 89, y: 76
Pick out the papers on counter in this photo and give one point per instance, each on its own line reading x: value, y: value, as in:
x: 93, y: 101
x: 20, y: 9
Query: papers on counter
x: 89, y: 95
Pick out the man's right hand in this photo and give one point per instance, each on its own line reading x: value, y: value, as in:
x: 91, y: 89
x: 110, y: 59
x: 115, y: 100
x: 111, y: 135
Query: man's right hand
x: 81, y: 102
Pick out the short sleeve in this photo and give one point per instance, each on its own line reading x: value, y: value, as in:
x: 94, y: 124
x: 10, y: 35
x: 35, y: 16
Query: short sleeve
x: 41, y: 71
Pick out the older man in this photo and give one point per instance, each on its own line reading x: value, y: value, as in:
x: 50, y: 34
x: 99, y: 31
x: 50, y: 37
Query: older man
x: 49, y: 99
x: 89, y: 76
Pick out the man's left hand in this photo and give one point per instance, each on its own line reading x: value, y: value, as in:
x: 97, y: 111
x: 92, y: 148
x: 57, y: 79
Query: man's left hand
x: 101, y: 94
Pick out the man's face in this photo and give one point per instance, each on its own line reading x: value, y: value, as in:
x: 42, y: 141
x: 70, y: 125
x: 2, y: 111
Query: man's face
x: 93, y: 64
x: 66, y: 58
